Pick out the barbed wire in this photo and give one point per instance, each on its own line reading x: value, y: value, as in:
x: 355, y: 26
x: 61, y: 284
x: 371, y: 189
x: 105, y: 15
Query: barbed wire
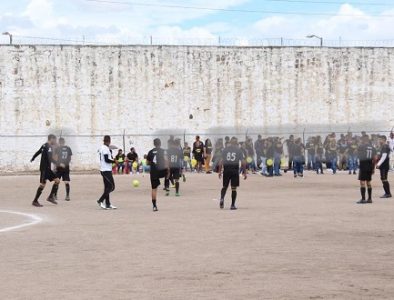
x: 195, y: 41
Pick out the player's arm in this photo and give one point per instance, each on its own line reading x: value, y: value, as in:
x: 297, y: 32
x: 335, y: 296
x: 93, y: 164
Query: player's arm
x: 37, y: 154
x: 382, y: 159
x: 70, y: 153
x: 220, y: 168
x: 243, y: 168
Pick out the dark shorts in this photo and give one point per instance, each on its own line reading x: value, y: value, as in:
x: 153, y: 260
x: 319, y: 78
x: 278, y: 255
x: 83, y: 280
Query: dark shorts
x: 175, y: 173
x: 199, y: 158
x: 47, y: 175
x: 384, y: 173
x: 231, y: 176
x: 155, y: 176
x: 366, y: 171
x: 63, y: 173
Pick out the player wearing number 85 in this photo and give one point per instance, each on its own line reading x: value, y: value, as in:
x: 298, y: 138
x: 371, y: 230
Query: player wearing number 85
x: 229, y: 163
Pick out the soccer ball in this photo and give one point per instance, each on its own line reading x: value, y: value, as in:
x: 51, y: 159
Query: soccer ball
x: 136, y: 183
x: 135, y: 165
x: 249, y: 160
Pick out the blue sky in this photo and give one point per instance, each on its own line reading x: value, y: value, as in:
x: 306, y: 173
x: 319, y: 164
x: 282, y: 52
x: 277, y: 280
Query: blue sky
x: 114, y: 22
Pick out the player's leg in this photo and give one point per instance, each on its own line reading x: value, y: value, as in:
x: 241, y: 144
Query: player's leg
x: 56, y: 181
x: 226, y: 183
x: 67, y: 186
x: 386, y: 185
x: 155, y: 182
x: 362, y: 191
x: 39, y: 191
x: 177, y: 176
x: 108, y: 188
x: 369, y: 186
x: 111, y: 181
x: 234, y: 185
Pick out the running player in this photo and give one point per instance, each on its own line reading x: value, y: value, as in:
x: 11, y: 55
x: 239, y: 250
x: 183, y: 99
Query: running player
x: 366, y: 153
x: 231, y: 157
x: 48, y: 156
x: 106, y: 161
x: 175, y: 157
x: 384, y: 165
x: 157, y: 159
x: 64, y: 154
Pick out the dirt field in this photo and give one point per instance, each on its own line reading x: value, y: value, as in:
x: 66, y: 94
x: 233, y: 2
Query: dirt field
x: 290, y: 239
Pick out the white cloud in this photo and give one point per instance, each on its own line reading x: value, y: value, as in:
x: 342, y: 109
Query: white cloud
x: 126, y: 23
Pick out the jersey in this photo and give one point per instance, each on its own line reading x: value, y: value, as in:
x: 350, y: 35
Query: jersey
x: 105, y: 166
x: 198, y: 149
x: 64, y: 156
x: 386, y: 164
x: 46, y: 152
x: 175, y: 158
x: 231, y: 156
x: 366, y: 155
x: 157, y: 159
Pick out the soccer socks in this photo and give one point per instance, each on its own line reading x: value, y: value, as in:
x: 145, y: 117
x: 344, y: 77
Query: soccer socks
x: 177, y: 187
x: 369, y: 193
x: 154, y: 203
x: 363, y: 190
x: 38, y: 193
x: 55, y: 187
x: 223, y: 193
x: 233, y: 197
x: 167, y: 184
x: 67, y: 189
x: 386, y: 187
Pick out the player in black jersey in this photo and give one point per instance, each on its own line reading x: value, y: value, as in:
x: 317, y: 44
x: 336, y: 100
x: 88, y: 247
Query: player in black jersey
x: 175, y: 158
x: 384, y: 165
x: 231, y: 157
x: 48, y: 156
x: 366, y: 154
x: 157, y: 159
x: 64, y: 154
x: 198, y: 153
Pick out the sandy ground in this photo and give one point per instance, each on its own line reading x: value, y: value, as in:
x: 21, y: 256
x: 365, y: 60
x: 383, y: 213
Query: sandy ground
x: 290, y: 239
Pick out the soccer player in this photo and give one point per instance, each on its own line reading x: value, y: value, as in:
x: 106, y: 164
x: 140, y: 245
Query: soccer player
x: 106, y: 161
x: 175, y: 157
x: 384, y: 165
x: 64, y: 154
x: 157, y: 159
x: 366, y: 154
x: 198, y: 153
x: 48, y: 156
x: 231, y: 157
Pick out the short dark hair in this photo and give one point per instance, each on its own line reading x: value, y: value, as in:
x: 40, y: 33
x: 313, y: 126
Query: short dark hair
x: 61, y: 140
x: 383, y: 137
x: 51, y: 137
x: 157, y: 142
x: 107, y: 138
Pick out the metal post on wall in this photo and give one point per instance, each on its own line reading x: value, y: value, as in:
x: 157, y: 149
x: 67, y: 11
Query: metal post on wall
x: 124, y: 140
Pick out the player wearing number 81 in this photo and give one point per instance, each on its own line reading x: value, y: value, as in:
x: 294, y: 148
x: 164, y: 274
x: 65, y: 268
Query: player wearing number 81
x: 175, y: 160
x: 230, y: 162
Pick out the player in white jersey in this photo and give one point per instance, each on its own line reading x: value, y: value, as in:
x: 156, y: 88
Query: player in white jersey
x: 106, y: 161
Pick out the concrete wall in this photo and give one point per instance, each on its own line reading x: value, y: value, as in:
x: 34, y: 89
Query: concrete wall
x: 145, y: 89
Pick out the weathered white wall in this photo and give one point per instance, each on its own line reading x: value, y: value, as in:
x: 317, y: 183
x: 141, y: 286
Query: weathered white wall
x: 144, y: 89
